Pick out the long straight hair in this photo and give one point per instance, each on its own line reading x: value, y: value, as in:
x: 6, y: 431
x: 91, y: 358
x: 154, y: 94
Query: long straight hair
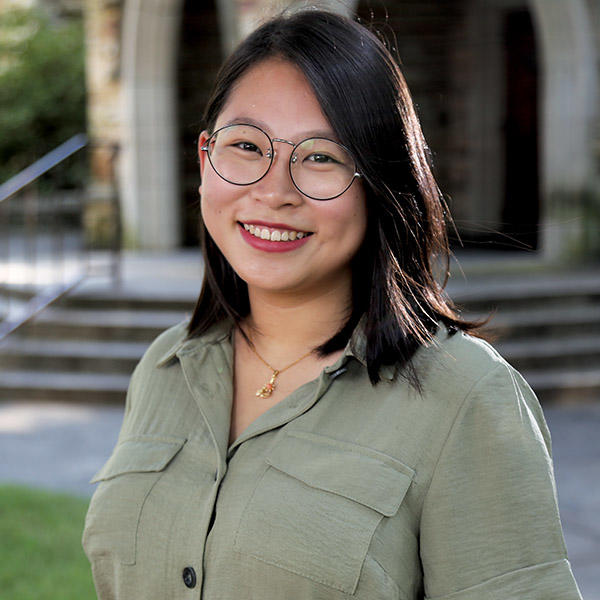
x: 363, y: 94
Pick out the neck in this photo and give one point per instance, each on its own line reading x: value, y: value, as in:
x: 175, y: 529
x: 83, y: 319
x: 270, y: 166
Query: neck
x: 287, y: 326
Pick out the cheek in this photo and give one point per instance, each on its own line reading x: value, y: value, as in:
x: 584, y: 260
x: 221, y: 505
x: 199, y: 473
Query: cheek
x: 347, y: 224
x: 213, y: 200
x: 350, y: 221
x: 212, y: 217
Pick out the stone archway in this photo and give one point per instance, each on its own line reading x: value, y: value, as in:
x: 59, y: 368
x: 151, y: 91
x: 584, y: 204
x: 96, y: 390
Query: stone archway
x: 149, y: 171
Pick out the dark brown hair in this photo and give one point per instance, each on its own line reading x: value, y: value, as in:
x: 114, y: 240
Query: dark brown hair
x: 363, y: 94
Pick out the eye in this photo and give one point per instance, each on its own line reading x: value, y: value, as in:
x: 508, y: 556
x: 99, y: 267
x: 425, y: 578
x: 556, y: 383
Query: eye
x: 248, y: 147
x: 320, y: 158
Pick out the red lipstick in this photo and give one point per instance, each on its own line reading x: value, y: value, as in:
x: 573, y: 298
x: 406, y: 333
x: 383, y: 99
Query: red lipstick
x: 268, y: 245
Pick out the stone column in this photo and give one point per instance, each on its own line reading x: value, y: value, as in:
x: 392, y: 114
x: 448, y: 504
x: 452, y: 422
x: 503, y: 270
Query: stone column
x: 149, y: 181
x: 569, y: 119
x: 103, y: 55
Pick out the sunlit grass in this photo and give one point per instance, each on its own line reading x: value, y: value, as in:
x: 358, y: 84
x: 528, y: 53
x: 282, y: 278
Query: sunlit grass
x: 40, y: 546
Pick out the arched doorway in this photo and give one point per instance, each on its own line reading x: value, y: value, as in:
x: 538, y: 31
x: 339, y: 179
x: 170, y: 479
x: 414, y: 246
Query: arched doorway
x: 472, y: 70
x: 501, y: 210
x: 521, y: 202
x: 163, y: 82
x: 199, y: 57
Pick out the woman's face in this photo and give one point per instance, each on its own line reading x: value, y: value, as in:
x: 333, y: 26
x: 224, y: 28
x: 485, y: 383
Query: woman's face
x: 275, y: 96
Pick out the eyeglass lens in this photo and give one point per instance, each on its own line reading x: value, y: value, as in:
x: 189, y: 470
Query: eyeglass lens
x: 242, y: 154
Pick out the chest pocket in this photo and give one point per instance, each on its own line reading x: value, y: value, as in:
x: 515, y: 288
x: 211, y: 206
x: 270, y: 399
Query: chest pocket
x: 315, y: 509
x: 126, y: 481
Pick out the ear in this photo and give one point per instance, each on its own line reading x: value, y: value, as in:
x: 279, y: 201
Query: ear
x: 203, y: 159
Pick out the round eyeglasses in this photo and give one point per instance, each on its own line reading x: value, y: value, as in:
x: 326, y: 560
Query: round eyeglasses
x: 319, y: 168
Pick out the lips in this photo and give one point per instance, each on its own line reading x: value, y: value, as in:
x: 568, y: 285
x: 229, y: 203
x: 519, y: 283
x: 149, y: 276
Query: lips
x: 275, y: 234
x: 264, y: 237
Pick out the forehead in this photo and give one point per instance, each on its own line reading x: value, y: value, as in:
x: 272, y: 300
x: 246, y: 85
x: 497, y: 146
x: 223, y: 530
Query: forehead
x: 276, y: 95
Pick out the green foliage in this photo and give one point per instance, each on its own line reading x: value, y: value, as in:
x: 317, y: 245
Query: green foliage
x: 42, y: 86
x: 40, y: 551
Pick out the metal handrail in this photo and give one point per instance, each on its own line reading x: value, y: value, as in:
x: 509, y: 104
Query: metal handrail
x: 41, y: 166
x: 50, y: 293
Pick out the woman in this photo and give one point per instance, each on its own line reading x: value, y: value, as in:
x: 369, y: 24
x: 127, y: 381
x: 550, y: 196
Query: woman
x: 324, y: 426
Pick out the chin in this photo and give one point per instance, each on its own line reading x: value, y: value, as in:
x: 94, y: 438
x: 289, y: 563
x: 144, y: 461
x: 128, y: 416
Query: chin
x: 273, y: 285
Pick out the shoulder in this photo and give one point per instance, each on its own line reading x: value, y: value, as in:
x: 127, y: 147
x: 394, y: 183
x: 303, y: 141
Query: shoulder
x: 478, y: 386
x: 457, y: 362
x: 471, y: 355
x: 467, y: 374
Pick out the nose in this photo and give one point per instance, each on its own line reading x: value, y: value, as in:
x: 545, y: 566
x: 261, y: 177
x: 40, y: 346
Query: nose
x: 276, y: 187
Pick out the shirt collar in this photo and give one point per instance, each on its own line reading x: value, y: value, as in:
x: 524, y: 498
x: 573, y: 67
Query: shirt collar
x: 187, y: 345
x: 355, y: 348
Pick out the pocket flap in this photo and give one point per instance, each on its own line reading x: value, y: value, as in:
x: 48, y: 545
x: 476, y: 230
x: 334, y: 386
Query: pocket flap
x: 362, y: 474
x: 143, y: 453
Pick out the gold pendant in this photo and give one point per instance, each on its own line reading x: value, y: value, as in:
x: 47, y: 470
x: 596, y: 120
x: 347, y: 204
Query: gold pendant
x: 267, y: 389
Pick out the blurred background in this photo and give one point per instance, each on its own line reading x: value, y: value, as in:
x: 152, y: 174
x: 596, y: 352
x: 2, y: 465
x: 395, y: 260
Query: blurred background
x: 100, y: 109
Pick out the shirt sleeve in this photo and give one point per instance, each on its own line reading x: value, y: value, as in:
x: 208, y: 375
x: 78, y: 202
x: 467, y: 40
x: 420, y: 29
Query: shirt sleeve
x: 490, y: 528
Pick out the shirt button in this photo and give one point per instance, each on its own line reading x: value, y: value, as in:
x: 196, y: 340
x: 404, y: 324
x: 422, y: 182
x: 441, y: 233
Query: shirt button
x: 189, y: 577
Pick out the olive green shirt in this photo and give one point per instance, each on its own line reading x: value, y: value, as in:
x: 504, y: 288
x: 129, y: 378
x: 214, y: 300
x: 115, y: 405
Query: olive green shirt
x: 341, y: 490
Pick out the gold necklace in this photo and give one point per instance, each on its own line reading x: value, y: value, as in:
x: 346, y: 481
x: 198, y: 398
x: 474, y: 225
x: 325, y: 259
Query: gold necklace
x: 266, y: 390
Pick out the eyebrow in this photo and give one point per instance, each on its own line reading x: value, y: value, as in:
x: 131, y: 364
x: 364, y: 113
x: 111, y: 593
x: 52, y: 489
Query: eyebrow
x: 324, y: 133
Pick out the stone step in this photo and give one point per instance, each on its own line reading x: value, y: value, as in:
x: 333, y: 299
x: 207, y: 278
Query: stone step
x: 564, y: 290
x: 536, y: 353
x: 127, y: 300
x: 70, y: 355
x: 567, y: 385
x: 16, y: 292
x: 86, y: 345
x: 114, y: 325
x: 542, y: 321
x: 62, y: 386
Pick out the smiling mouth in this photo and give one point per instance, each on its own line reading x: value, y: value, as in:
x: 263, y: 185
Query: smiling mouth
x: 275, y: 235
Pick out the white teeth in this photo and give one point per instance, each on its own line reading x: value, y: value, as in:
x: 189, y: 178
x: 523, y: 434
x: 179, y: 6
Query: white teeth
x: 275, y: 235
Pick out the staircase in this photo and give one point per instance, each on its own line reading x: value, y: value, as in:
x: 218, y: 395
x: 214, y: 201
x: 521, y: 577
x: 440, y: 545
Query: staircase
x: 85, y: 347
x: 546, y: 326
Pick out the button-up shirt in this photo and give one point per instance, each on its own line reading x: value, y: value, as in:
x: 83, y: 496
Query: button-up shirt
x: 341, y: 490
